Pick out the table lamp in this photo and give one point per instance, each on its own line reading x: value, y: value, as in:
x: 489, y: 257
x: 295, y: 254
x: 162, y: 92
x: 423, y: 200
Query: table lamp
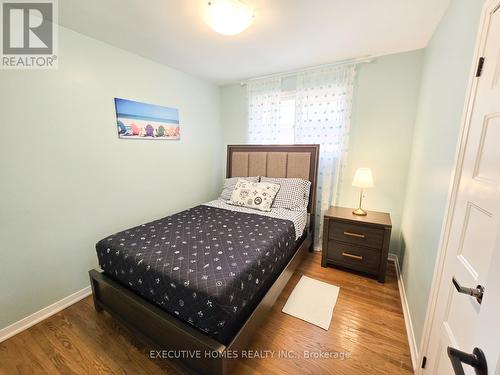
x: 363, y: 179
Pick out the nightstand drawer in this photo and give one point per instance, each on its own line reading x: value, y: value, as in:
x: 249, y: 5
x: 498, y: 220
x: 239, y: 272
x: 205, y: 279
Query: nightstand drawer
x: 356, y: 234
x: 355, y: 257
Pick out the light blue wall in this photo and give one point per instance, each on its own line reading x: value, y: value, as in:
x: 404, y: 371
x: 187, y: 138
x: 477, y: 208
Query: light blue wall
x: 66, y: 180
x: 383, y: 115
x: 234, y: 114
x: 445, y: 74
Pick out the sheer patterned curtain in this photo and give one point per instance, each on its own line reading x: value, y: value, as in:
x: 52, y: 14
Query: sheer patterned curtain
x: 323, y: 113
x: 320, y: 113
x: 263, y: 110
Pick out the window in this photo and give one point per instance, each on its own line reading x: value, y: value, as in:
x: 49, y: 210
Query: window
x: 311, y: 107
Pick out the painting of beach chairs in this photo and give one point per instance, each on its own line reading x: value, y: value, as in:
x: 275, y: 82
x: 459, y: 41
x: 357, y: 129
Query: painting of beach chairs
x: 136, y: 120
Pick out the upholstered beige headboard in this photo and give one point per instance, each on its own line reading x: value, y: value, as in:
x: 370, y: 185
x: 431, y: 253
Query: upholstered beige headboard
x: 299, y: 161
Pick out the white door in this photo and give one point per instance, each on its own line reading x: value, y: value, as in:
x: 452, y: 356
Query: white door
x: 472, y: 241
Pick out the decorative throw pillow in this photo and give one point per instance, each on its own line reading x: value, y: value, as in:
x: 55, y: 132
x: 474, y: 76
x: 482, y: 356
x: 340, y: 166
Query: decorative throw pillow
x: 230, y: 183
x: 258, y: 195
x: 293, y: 194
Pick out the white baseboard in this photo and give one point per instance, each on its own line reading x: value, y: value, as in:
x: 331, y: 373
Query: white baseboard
x: 42, y: 314
x: 406, y: 313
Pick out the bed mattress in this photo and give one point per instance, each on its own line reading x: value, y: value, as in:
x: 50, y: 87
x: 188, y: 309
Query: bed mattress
x: 208, y: 266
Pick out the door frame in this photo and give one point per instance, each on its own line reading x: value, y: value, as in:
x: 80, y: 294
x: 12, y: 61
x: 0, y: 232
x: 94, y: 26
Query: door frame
x: 489, y: 8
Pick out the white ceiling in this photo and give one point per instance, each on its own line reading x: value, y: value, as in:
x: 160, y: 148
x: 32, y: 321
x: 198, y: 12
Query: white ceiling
x: 285, y: 35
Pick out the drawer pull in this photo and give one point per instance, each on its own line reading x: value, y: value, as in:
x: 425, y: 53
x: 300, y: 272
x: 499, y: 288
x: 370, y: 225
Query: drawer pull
x: 359, y: 257
x: 354, y: 234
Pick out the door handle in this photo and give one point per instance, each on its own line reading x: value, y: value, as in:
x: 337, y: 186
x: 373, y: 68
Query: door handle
x: 476, y: 292
x: 477, y: 360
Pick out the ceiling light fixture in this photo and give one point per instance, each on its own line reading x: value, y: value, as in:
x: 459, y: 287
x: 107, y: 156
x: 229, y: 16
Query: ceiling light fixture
x: 229, y: 17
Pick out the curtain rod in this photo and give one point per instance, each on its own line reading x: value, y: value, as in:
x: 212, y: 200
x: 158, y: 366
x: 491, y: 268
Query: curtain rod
x: 359, y: 60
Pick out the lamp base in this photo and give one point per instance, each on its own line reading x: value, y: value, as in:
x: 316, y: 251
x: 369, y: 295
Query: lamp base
x: 360, y: 212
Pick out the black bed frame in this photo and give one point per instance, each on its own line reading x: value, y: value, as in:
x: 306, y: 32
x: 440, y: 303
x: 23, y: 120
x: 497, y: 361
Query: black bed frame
x: 202, y: 354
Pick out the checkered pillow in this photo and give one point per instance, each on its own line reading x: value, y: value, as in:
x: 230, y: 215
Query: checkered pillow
x: 230, y: 183
x: 293, y: 194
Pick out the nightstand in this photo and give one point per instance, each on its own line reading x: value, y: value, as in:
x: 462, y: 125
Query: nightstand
x: 360, y: 243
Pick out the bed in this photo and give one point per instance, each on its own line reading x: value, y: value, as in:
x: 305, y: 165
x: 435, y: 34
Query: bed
x: 201, y: 281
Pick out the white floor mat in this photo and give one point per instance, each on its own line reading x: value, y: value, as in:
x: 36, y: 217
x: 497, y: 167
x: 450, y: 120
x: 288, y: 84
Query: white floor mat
x: 313, y: 301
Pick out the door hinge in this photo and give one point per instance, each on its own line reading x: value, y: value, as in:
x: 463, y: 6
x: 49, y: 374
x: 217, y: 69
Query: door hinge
x: 480, y: 65
x: 424, y: 362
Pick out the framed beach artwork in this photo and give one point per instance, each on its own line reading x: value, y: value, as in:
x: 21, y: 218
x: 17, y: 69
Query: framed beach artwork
x: 136, y: 120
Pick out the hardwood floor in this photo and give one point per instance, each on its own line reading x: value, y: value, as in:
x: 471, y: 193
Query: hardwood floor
x: 367, y: 328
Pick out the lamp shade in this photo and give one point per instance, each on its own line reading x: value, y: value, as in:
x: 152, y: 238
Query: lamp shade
x: 363, y: 178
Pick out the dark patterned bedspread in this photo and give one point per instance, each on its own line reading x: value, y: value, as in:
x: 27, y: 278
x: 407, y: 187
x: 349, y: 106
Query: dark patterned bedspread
x: 207, y: 266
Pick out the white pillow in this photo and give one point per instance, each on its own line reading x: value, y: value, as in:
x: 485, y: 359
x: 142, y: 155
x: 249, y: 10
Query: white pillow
x: 293, y: 193
x: 230, y: 183
x: 257, y: 195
